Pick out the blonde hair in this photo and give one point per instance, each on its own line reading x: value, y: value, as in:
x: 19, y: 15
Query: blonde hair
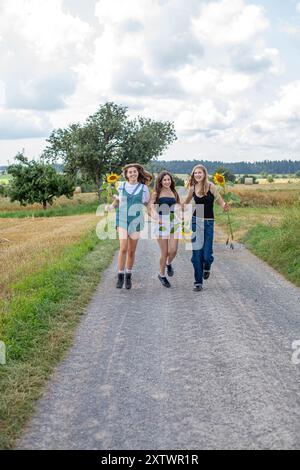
x: 144, y: 176
x: 204, y: 185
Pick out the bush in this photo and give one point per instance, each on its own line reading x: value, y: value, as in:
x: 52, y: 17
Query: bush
x: 270, y: 179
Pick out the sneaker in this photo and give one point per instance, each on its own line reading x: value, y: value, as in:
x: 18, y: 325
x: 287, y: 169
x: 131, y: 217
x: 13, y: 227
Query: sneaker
x: 206, y: 273
x: 197, y: 287
x: 164, y: 281
x: 128, y: 283
x: 170, y: 270
x: 120, y: 281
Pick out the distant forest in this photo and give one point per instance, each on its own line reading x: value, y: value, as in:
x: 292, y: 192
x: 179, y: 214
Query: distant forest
x: 281, y: 167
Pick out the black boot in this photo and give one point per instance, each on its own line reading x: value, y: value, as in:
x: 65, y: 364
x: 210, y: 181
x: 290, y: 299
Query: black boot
x: 164, y: 281
x: 170, y: 270
x: 120, y: 281
x: 128, y: 283
x: 206, y: 274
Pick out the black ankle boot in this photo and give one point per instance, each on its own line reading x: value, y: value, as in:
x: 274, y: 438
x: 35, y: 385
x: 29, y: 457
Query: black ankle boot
x: 120, y: 281
x: 170, y: 270
x: 164, y: 281
x: 128, y: 283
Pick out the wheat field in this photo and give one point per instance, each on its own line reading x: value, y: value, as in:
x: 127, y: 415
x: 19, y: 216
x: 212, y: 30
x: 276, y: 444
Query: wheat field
x: 28, y: 244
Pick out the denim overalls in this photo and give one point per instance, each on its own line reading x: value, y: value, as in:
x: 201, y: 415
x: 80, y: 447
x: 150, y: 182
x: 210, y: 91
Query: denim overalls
x: 129, y: 214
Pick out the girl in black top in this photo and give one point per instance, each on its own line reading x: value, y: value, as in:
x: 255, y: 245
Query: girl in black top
x: 162, y: 207
x: 204, y: 195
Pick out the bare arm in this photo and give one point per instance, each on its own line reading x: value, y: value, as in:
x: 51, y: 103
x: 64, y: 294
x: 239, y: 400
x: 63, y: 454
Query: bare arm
x: 189, y: 196
x: 151, y: 206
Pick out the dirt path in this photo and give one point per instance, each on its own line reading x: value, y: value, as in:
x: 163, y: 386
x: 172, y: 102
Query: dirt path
x: 154, y: 368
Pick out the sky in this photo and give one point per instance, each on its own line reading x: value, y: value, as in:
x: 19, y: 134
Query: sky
x: 227, y: 72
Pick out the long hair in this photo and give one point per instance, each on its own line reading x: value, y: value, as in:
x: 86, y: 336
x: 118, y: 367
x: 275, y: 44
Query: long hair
x: 204, y: 185
x: 159, y: 186
x: 144, y: 176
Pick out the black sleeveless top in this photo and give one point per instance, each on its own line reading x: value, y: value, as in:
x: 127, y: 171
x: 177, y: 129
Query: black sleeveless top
x: 168, y: 203
x: 208, y: 203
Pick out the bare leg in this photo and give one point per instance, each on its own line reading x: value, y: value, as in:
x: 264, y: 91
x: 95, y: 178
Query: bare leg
x: 123, y: 248
x: 163, y: 245
x: 132, y: 244
x: 173, y: 247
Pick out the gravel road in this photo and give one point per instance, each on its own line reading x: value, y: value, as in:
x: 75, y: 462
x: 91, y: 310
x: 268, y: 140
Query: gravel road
x: 156, y: 368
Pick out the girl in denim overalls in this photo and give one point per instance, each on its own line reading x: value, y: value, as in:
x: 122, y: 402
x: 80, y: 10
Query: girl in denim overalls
x: 133, y: 195
x: 204, y: 194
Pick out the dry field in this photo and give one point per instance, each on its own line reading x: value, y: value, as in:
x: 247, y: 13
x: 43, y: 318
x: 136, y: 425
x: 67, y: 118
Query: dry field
x: 272, y: 194
x: 32, y: 242
x: 84, y: 198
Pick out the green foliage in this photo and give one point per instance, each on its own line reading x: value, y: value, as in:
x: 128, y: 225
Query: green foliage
x: 107, y: 141
x: 279, y: 246
x: 34, y: 181
x: 270, y: 179
x: 267, y: 167
x: 297, y: 174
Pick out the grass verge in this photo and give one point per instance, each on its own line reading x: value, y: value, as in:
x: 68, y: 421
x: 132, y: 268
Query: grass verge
x: 38, y: 323
x: 272, y: 234
x: 279, y: 245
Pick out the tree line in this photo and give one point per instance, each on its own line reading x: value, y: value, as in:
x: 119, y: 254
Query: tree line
x: 267, y: 167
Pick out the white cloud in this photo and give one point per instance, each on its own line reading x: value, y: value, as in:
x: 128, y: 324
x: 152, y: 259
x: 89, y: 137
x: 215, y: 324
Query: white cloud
x: 274, y: 126
x: 207, y: 65
x: 230, y: 22
x: 23, y: 124
x: 40, y: 48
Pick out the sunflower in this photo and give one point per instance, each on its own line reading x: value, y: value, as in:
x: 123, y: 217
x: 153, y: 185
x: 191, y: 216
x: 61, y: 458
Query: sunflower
x: 113, y: 178
x: 219, y: 179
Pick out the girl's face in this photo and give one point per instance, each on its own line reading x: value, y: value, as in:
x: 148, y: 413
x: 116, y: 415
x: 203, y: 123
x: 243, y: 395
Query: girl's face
x: 199, y: 175
x: 166, y: 182
x: 132, y: 174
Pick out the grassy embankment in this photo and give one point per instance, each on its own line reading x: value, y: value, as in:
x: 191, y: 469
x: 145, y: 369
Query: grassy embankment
x: 48, y: 269
x: 268, y: 223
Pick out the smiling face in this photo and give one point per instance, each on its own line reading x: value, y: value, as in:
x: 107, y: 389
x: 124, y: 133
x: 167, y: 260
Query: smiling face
x: 199, y: 175
x: 166, y: 182
x: 132, y: 175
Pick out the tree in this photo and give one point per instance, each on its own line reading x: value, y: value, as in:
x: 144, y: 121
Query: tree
x: 107, y: 141
x: 35, y: 181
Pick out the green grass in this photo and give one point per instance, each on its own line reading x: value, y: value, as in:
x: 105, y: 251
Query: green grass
x: 37, y: 326
x: 271, y: 233
x: 279, y: 246
x: 86, y: 208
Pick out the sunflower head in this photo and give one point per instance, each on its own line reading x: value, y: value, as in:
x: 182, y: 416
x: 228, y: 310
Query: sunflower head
x: 113, y: 178
x: 219, y: 179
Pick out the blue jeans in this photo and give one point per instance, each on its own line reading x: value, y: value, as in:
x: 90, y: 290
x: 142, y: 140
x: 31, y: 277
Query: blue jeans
x: 202, y: 243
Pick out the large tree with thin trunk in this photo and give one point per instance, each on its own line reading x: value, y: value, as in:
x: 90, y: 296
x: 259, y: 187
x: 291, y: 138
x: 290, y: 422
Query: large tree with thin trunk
x: 107, y: 141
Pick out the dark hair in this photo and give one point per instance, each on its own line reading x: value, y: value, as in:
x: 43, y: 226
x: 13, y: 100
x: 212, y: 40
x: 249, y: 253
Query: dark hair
x: 144, y: 176
x: 158, y: 185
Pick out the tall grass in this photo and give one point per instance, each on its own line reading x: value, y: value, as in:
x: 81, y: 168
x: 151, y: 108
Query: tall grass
x: 278, y: 245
